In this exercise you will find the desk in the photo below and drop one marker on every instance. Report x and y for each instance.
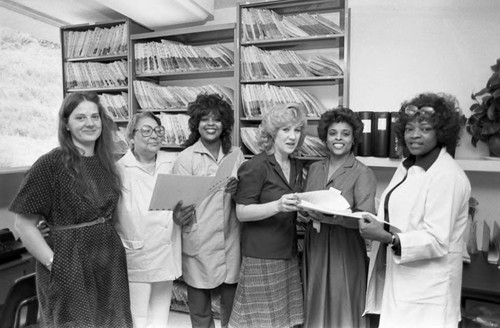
(481, 280)
(12, 270)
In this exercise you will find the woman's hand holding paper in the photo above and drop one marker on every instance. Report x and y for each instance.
(232, 186)
(288, 203)
(184, 215)
(371, 228)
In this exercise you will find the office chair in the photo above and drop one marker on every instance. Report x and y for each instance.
(22, 295)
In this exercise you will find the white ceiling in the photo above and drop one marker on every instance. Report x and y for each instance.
(43, 18)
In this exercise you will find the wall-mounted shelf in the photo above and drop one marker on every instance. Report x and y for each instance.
(474, 165)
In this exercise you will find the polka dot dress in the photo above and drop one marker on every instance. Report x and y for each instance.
(88, 285)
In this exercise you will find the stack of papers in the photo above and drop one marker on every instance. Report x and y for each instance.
(328, 202)
(332, 202)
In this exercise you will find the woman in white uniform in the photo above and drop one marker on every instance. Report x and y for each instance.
(151, 238)
(427, 199)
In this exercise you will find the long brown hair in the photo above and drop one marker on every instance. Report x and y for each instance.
(104, 145)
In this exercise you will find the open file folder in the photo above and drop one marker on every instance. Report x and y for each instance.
(170, 189)
(332, 202)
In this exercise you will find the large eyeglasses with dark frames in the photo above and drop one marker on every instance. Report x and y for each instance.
(424, 111)
(147, 131)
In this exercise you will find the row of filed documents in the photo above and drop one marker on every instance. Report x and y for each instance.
(96, 42)
(170, 56)
(262, 64)
(261, 24)
(115, 105)
(312, 146)
(152, 96)
(96, 75)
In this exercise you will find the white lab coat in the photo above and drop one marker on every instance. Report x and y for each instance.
(422, 286)
(211, 252)
(151, 238)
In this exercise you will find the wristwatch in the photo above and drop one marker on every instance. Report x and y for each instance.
(393, 240)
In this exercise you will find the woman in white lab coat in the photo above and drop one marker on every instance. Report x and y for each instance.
(427, 199)
(151, 238)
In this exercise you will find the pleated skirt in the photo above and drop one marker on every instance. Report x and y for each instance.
(269, 294)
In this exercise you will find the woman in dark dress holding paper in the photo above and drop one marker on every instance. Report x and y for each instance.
(269, 292)
(81, 266)
(335, 259)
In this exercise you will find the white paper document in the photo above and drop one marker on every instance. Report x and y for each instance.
(333, 203)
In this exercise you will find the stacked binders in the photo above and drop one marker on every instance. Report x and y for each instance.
(378, 138)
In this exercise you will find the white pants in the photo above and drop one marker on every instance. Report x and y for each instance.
(150, 303)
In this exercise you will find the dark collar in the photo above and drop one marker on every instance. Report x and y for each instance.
(425, 161)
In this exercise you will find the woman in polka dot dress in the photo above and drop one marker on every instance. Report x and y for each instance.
(81, 268)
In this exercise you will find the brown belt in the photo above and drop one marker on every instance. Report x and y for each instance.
(99, 220)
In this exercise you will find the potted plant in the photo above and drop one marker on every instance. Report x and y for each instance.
(484, 123)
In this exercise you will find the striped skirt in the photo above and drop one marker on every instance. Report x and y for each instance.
(269, 294)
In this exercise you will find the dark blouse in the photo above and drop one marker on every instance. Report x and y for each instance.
(261, 181)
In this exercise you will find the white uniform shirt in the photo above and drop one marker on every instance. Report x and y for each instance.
(422, 286)
(151, 238)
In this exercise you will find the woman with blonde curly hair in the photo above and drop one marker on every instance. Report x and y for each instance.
(269, 292)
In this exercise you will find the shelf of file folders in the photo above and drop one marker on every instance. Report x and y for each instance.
(166, 56)
(115, 105)
(158, 98)
(379, 137)
(312, 148)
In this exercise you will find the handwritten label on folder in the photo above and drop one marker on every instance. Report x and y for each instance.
(170, 189)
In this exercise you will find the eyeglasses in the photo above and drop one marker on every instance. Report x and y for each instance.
(147, 131)
(425, 111)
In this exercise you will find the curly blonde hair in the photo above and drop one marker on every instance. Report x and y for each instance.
(280, 116)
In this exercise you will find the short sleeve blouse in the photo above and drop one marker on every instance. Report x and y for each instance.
(261, 181)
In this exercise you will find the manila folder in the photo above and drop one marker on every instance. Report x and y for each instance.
(170, 188)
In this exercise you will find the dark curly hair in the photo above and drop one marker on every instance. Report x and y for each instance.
(340, 115)
(206, 104)
(447, 119)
